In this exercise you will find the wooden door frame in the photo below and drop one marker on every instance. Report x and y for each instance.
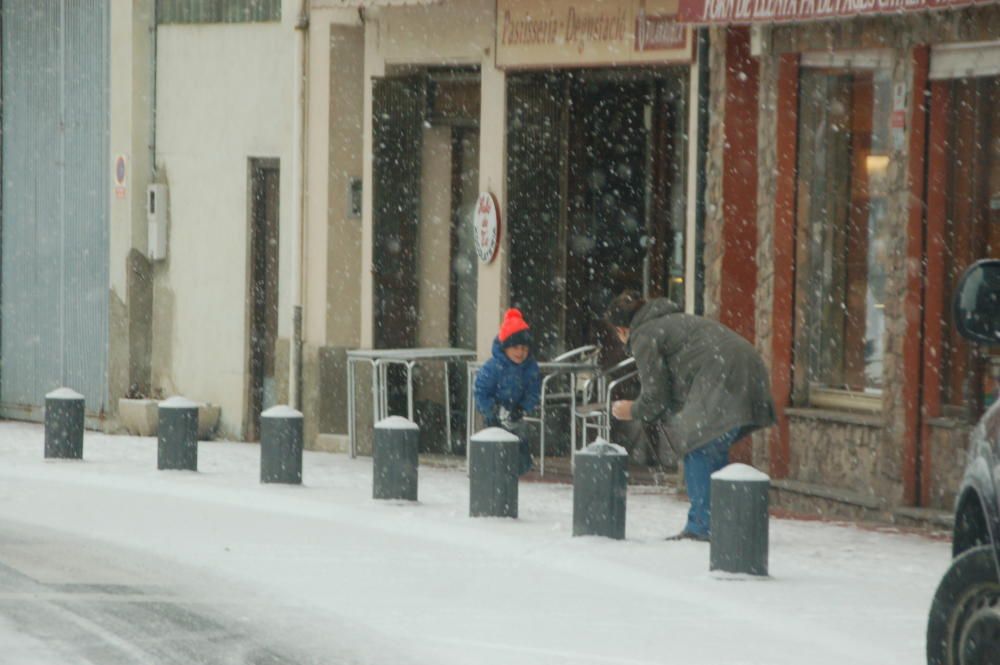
(784, 237)
(915, 457)
(255, 165)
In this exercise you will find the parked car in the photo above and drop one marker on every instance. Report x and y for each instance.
(964, 623)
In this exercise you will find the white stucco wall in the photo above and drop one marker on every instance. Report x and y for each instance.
(223, 94)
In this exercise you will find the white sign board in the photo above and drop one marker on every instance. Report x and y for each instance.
(486, 226)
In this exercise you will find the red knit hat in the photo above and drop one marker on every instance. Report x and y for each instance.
(514, 331)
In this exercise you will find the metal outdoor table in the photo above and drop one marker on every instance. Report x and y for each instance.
(380, 360)
(549, 370)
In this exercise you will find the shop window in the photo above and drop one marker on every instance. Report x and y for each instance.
(596, 195)
(842, 243)
(217, 11)
(966, 150)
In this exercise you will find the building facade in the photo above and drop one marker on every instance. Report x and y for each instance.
(579, 133)
(222, 293)
(77, 119)
(876, 185)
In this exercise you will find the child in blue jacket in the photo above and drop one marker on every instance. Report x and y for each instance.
(509, 384)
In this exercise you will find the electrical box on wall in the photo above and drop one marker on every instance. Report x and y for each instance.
(156, 218)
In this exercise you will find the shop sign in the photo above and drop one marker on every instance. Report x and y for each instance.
(486, 226)
(773, 11)
(590, 32)
(897, 121)
(120, 177)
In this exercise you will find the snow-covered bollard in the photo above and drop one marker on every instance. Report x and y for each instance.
(177, 445)
(739, 520)
(64, 424)
(281, 445)
(600, 484)
(395, 459)
(494, 460)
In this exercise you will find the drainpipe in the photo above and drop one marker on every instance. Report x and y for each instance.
(298, 202)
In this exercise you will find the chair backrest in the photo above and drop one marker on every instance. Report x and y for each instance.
(613, 376)
(573, 354)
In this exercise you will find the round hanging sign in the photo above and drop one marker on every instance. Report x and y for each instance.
(486, 226)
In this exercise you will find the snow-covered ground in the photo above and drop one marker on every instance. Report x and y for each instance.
(424, 583)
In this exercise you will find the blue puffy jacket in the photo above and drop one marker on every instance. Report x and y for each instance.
(502, 383)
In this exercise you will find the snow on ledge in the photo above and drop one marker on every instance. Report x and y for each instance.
(64, 393)
(178, 402)
(741, 473)
(601, 448)
(396, 422)
(281, 411)
(494, 435)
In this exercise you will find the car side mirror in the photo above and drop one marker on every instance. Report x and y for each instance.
(977, 303)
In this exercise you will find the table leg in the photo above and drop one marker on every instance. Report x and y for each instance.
(376, 391)
(469, 406)
(383, 390)
(350, 409)
(409, 391)
(541, 436)
(470, 411)
(447, 406)
(572, 420)
(541, 427)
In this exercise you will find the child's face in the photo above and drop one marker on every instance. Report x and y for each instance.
(517, 354)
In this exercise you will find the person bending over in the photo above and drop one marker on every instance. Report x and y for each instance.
(705, 385)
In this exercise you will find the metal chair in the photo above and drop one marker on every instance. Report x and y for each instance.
(575, 355)
(596, 415)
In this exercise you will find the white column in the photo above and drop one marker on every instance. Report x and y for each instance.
(492, 283)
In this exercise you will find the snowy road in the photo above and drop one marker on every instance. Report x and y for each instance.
(65, 599)
(244, 573)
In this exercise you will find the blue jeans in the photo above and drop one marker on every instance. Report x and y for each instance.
(699, 465)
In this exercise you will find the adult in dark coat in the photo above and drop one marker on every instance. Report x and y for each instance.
(703, 383)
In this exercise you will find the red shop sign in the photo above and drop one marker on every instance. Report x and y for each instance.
(486, 226)
(774, 11)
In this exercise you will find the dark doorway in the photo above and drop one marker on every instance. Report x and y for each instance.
(463, 296)
(597, 197)
(399, 107)
(425, 183)
(262, 292)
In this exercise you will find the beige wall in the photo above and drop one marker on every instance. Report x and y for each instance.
(449, 34)
(492, 286)
(452, 32)
(335, 167)
(129, 135)
(129, 130)
(224, 94)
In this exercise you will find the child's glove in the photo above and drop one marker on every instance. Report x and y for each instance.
(504, 416)
(516, 414)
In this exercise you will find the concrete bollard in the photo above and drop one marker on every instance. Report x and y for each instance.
(600, 484)
(177, 444)
(739, 520)
(64, 424)
(281, 445)
(394, 459)
(494, 460)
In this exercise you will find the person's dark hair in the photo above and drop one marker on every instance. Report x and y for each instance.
(623, 308)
